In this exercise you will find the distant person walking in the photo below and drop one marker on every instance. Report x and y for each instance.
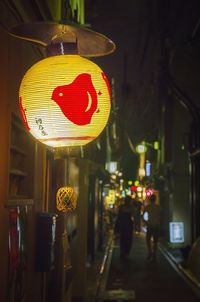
(152, 217)
(137, 205)
(124, 226)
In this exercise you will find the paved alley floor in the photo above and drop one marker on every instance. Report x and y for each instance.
(138, 279)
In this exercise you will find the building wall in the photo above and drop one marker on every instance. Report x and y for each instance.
(45, 175)
(79, 252)
(180, 179)
(4, 131)
(16, 57)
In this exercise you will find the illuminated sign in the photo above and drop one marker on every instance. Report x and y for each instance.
(111, 166)
(111, 196)
(65, 100)
(146, 216)
(141, 148)
(176, 232)
(141, 172)
(148, 168)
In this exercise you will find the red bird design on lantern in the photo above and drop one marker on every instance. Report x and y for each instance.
(77, 100)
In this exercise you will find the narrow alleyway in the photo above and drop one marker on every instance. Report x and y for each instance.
(137, 279)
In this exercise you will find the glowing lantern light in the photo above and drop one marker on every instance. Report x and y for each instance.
(139, 189)
(133, 188)
(156, 145)
(141, 148)
(65, 100)
(148, 193)
(66, 199)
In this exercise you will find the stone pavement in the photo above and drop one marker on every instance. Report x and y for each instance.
(137, 279)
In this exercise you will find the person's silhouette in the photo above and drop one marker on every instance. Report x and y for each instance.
(152, 217)
(125, 226)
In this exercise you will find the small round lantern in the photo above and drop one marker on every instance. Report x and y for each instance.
(66, 199)
(65, 100)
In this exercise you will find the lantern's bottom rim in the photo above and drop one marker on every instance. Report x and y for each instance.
(60, 142)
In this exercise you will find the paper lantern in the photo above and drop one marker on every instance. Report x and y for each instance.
(65, 100)
(66, 199)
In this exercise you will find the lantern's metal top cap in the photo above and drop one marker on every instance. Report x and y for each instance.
(89, 43)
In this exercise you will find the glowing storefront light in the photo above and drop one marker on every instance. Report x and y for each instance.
(111, 197)
(141, 172)
(149, 192)
(146, 216)
(123, 194)
(133, 188)
(139, 189)
(156, 145)
(65, 100)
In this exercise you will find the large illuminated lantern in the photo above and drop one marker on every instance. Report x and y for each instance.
(65, 98)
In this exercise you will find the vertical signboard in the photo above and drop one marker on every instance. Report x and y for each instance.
(176, 230)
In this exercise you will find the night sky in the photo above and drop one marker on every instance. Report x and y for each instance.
(145, 33)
